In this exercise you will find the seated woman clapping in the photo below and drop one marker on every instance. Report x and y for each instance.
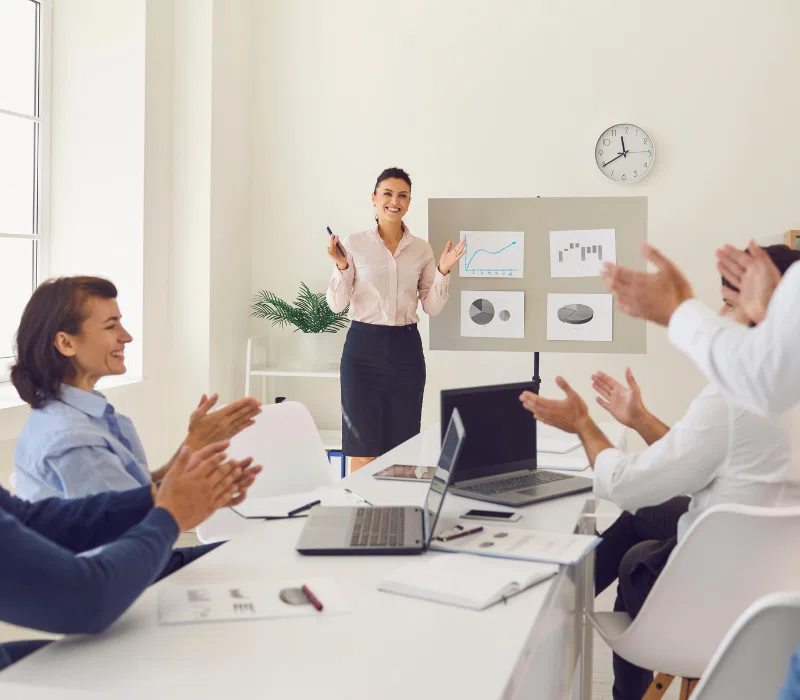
(74, 443)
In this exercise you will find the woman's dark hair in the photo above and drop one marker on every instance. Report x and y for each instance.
(389, 173)
(783, 257)
(57, 305)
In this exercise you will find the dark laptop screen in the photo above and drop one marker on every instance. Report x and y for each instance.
(500, 434)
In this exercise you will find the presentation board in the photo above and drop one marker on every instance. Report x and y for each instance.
(530, 278)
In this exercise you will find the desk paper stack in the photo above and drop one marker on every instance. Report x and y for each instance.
(526, 545)
(251, 600)
(465, 581)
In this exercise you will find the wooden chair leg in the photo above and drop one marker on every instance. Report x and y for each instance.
(687, 687)
(658, 687)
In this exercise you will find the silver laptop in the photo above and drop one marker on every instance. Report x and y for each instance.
(384, 530)
(499, 460)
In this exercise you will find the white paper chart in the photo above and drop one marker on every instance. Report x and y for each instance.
(487, 314)
(493, 254)
(581, 253)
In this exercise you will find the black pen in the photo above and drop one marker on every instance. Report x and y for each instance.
(463, 534)
(302, 508)
(338, 247)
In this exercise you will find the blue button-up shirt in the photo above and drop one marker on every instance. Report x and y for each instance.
(78, 446)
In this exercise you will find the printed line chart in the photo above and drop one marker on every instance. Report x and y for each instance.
(493, 254)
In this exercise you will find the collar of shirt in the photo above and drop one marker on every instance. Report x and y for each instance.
(404, 241)
(92, 403)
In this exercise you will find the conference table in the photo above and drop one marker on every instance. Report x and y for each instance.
(536, 646)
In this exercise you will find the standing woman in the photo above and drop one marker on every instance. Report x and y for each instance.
(384, 273)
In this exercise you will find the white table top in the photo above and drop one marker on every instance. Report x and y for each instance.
(389, 646)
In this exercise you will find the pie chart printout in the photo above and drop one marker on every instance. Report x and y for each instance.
(481, 311)
(575, 314)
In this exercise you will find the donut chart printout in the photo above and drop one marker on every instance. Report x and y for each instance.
(488, 314)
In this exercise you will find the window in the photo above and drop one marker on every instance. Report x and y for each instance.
(24, 153)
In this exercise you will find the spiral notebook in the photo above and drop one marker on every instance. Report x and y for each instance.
(465, 580)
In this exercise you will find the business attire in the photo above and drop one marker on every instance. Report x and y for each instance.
(717, 453)
(383, 366)
(77, 446)
(74, 566)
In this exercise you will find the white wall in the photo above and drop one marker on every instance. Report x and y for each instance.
(507, 99)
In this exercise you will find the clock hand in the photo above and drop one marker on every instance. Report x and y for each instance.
(649, 153)
(613, 159)
(624, 152)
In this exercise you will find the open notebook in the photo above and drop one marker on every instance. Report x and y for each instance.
(465, 580)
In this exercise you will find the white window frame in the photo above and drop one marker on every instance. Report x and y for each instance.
(42, 236)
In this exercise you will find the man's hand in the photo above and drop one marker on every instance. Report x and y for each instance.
(198, 484)
(623, 402)
(652, 296)
(754, 273)
(206, 428)
(245, 481)
(568, 414)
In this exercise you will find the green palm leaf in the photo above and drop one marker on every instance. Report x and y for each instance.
(309, 314)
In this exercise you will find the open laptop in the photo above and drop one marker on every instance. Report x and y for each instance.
(385, 530)
(498, 464)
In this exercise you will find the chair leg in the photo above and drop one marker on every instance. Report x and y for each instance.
(687, 687)
(658, 687)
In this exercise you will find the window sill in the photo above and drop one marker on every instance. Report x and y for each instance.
(9, 398)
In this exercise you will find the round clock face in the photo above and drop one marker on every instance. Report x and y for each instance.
(625, 153)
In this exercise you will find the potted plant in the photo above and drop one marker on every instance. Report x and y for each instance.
(310, 314)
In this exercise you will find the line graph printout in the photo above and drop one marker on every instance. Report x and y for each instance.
(493, 254)
(581, 253)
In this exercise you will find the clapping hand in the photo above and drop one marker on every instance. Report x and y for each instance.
(622, 402)
(567, 414)
(754, 274)
(450, 256)
(206, 428)
(652, 296)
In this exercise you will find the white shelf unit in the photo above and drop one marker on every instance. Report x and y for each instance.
(331, 439)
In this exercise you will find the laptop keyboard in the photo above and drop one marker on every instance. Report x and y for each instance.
(379, 527)
(514, 483)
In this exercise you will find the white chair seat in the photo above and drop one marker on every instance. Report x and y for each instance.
(730, 557)
(284, 439)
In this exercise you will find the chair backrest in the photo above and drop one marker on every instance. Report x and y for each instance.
(753, 659)
(730, 557)
(285, 440)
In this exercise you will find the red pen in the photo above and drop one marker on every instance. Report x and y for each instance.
(311, 597)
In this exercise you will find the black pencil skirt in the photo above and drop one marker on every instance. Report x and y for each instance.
(383, 380)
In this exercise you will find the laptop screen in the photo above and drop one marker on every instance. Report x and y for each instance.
(451, 447)
(501, 435)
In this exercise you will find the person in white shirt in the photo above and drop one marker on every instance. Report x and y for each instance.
(384, 273)
(718, 453)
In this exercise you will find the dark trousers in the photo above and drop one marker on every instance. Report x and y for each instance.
(11, 652)
(635, 550)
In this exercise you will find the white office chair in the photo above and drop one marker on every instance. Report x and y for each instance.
(753, 659)
(731, 556)
(285, 440)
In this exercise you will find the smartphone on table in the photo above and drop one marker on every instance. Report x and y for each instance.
(501, 516)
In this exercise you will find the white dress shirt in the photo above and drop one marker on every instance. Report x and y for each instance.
(756, 367)
(386, 289)
(717, 453)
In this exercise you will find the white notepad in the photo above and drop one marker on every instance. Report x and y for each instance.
(465, 580)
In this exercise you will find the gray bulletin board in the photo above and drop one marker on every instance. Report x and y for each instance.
(536, 217)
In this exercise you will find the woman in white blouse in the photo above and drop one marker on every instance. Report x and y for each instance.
(383, 273)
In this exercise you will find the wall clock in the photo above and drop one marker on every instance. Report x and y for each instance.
(625, 153)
